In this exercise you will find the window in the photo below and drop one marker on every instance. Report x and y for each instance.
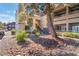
(63, 28)
(75, 28)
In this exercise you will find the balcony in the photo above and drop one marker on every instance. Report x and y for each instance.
(63, 17)
(59, 18)
(74, 15)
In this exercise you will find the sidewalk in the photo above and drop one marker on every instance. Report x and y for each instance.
(7, 42)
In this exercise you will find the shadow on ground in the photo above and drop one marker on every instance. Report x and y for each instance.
(23, 44)
(71, 42)
(44, 42)
(50, 42)
(1, 36)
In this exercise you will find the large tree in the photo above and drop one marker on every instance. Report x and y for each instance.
(21, 16)
(47, 9)
(50, 15)
(30, 14)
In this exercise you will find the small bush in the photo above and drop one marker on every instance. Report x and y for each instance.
(37, 34)
(27, 34)
(13, 31)
(34, 31)
(68, 34)
(59, 33)
(21, 35)
(76, 35)
(71, 34)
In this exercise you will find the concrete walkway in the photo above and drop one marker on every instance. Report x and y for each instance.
(7, 42)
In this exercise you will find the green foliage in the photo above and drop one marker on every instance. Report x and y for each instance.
(76, 35)
(59, 33)
(34, 31)
(71, 34)
(1, 25)
(68, 34)
(13, 31)
(21, 35)
(37, 34)
(27, 34)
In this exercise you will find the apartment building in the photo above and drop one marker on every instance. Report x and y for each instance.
(67, 18)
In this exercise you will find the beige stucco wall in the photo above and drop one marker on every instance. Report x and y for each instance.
(44, 22)
(21, 26)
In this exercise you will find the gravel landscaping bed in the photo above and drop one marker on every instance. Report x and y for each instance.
(37, 47)
(40, 51)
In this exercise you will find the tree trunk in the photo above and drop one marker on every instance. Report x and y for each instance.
(50, 22)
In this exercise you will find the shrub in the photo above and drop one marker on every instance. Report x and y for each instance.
(13, 31)
(21, 35)
(76, 35)
(37, 34)
(34, 31)
(27, 34)
(67, 34)
(71, 34)
(59, 33)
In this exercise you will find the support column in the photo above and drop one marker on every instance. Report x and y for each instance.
(67, 27)
(67, 13)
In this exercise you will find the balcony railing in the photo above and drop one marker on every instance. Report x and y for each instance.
(63, 17)
(58, 18)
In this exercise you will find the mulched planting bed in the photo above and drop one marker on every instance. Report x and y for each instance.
(32, 49)
(36, 49)
(41, 47)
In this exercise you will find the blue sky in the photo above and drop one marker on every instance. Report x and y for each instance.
(8, 12)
